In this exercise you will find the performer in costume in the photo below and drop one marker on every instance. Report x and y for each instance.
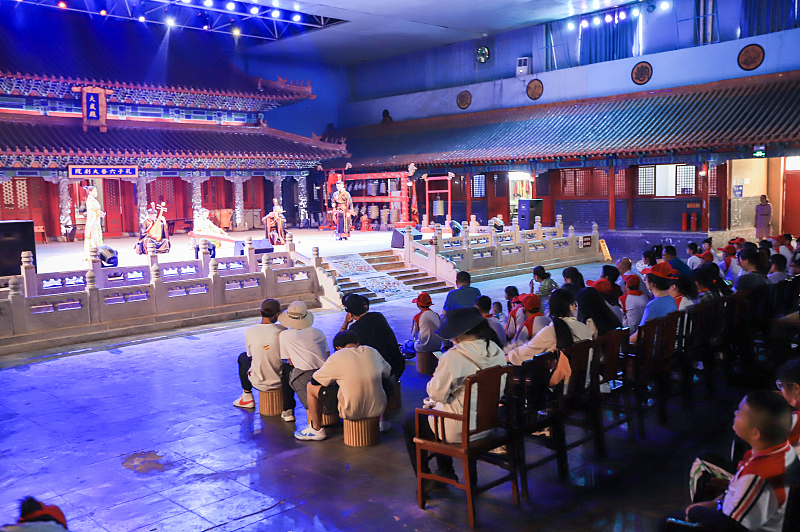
(275, 224)
(93, 232)
(154, 229)
(204, 226)
(342, 205)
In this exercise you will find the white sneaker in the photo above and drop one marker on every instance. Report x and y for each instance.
(309, 433)
(385, 425)
(245, 401)
(288, 415)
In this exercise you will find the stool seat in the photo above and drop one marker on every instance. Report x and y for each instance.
(362, 432)
(329, 418)
(270, 402)
(396, 401)
(426, 363)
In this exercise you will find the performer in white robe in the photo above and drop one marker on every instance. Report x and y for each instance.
(93, 231)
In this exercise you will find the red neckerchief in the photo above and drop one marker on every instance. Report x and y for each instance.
(416, 318)
(624, 298)
(529, 323)
(727, 260)
(678, 300)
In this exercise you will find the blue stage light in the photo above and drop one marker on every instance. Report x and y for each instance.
(230, 6)
(584, 23)
(170, 22)
(609, 18)
(141, 18)
(622, 15)
(664, 6)
(635, 12)
(254, 10)
(570, 26)
(297, 17)
(596, 21)
(275, 13)
(208, 3)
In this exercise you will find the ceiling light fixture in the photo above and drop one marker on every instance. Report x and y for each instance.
(208, 3)
(584, 23)
(230, 6)
(635, 12)
(62, 4)
(297, 17)
(622, 15)
(170, 22)
(254, 10)
(664, 6)
(236, 31)
(609, 18)
(596, 21)
(570, 26)
(651, 7)
(275, 13)
(141, 18)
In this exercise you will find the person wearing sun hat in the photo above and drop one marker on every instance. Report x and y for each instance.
(705, 257)
(658, 279)
(729, 266)
(424, 325)
(473, 350)
(303, 346)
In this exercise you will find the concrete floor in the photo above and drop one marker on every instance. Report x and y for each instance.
(140, 434)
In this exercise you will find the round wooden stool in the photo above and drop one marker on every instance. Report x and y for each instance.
(362, 432)
(270, 403)
(329, 418)
(395, 402)
(426, 363)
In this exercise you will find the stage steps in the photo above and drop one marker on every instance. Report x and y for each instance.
(551, 265)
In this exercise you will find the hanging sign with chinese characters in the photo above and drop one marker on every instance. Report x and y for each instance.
(93, 100)
(88, 171)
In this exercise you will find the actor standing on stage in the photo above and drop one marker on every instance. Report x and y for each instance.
(342, 204)
(93, 231)
(154, 229)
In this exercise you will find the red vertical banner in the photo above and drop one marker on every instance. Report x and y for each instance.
(612, 196)
(706, 218)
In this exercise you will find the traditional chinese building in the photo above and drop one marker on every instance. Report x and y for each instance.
(169, 119)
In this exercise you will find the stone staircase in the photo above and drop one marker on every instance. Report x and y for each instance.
(550, 265)
(389, 263)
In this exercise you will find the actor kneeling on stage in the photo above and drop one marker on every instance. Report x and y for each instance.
(275, 224)
(154, 229)
(205, 228)
(342, 205)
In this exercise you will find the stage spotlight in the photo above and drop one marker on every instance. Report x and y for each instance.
(205, 26)
(570, 26)
(584, 23)
(62, 4)
(254, 10)
(208, 3)
(170, 22)
(651, 7)
(230, 6)
(596, 21)
(186, 1)
(635, 12)
(609, 18)
(103, 12)
(236, 31)
(297, 17)
(141, 18)
(275, 13)
(664, 6)
(622, 15)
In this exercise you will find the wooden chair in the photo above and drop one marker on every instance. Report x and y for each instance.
(697, 352)
(581, 395)
(642, 366)
(488, 384)
(40, 229)
(613, 347)
(532, 413)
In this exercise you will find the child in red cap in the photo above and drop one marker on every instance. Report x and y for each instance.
(633, 303)
(658, 279)
(534, 322)
(729, 267)
(424, 325)
(36, 516)
(516, 317)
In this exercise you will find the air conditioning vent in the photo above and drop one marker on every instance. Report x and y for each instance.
(523, 66)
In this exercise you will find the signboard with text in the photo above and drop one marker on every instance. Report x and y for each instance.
(87, 171)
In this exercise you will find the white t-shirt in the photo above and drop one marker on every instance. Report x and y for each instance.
(426, 338)
(307, 349)
(358, 372)
(263, 347)
(732, 273)
(694, 262)
(634, 310)
(777, 277)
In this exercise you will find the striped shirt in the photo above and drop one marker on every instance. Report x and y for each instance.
(757, 493)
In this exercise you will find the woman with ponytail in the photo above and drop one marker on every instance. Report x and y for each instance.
(564, 331)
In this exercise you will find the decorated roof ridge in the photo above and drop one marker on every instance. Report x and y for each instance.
(501, 115)
(296, 89)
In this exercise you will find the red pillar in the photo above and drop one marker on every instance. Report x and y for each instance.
(706, 198)
(612, 196)
(468, 184)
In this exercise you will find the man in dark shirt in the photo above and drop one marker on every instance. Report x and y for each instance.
(671, 255)
(750, 278)
(373, 330)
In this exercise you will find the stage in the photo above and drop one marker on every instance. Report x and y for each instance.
(66, 256)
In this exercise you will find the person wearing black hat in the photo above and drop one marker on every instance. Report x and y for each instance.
(373, 330)
(473, 350)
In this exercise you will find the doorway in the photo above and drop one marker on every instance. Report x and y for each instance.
(289, 200)
(791, 196)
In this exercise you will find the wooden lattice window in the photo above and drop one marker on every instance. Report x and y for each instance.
(620, 183)
(685, 182)
(479, 186)
(112, 192)
(647, 180)
(712, 181)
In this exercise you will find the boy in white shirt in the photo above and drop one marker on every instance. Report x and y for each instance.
(303, 346)
(729, 266)
(424, 325)
(777, 269)
(633, 303)
(350, 381)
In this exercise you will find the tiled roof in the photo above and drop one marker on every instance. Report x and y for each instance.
(743, 112)
(35, 136)
(56, 44)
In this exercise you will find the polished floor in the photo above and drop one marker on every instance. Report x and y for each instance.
(141, 435)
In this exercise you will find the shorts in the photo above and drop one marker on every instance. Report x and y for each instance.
(329, 397)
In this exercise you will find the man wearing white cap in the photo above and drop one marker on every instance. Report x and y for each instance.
(303, 346)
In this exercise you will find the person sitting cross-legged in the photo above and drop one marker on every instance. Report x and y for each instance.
(760, 486)
(350, 382)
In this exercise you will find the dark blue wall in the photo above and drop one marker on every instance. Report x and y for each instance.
(648, 213)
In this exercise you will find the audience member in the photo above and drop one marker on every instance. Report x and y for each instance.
(683, 291)
(424, 325)
(693, 251)
(671, 256)
(36, 516)
(546, 284)
(534, 321)
(759, 487)
(633, 302)
(612, 275)
(604, 288)
(787, 249)
(564, 331)
(752, 278)
(708, 245)
(484, 305)
(766, 245)
(596, 313)
(794, 267)
(373, 330)
(729, 267)
(472, 351)
(789, 385)
(709, 283)
(738, 243)
(625, 267)
(350, 382)
(573, 280)
(261, 365)
(464, 295)
(497, 312)
(658, 279)
(777, 269)
(515, 318)
(706, 257)
(649, 259)
(511, 292)
(303, 346)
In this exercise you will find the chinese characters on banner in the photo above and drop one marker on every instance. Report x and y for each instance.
(94, 106)
(128, 172)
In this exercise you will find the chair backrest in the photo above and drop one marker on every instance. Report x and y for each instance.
(532, 382)
(792, 515)
(489, 386)
(669, 332)
(613, 345)
(698, 318)
(648, 346)
(584, 369)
